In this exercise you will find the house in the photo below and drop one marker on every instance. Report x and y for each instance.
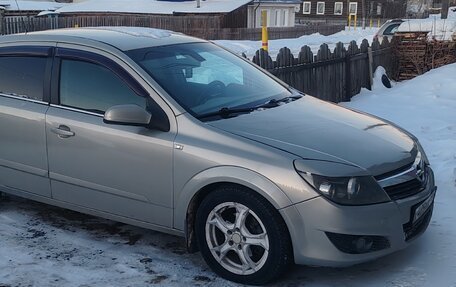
(280, 13)
(223, 13)
(339, 10)
(232, 13)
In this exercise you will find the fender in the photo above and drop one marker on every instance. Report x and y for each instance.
(228, 174)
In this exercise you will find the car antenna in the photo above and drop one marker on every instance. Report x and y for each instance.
(22, 18)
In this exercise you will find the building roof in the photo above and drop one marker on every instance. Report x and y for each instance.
(122, 38)
(11, 5)
(153, 6)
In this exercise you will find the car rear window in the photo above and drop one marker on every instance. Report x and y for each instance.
(22, 76)
(391, 29)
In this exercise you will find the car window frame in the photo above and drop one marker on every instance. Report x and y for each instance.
(92, 58)
(42, 51)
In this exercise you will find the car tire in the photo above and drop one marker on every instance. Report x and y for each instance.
(242, 237)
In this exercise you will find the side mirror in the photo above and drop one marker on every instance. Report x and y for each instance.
(132, 115)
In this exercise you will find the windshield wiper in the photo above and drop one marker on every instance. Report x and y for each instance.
(274, 102)
(226, 112)
(229, 112)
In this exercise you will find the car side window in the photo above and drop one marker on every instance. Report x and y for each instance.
(22, 76)
(94, 88)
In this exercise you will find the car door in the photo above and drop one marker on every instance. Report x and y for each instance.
(119, 169)
(24, 94)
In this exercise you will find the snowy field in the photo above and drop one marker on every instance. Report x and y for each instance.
(314, 41)
(46, 246)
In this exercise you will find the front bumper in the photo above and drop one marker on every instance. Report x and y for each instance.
(310, 221)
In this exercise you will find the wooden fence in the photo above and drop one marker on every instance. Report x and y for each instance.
(330, 75)
(194, 25)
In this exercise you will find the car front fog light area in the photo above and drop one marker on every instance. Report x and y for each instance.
(358, 244)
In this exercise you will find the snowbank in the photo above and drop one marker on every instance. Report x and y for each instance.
(452, 12)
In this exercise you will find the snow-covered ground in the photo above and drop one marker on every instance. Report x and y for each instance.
(314, 41)
(46, 246)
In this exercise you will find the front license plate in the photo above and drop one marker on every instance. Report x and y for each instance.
(421, 209)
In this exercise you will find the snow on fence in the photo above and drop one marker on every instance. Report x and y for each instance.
(331, 75)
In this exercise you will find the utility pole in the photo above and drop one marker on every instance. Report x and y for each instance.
(445, 6)
(364, 13)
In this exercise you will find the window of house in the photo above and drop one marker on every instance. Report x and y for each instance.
(306, 7)
(284, 17)
(353, 8)
(277, 18)
(93, 87)
(379, 9)
(371, 8)
(338, 8)
(23, 77)
(320, 8)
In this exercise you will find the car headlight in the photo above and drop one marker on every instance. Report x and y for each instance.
(360, 190)
(423, 154)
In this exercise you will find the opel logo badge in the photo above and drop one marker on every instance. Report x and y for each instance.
(420, 171)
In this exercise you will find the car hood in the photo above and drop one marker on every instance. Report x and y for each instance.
(317, 130)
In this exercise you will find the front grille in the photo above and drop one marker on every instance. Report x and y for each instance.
(393, 172)
(404, 189)
(413, 230)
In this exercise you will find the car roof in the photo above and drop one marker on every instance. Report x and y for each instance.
(123, 38)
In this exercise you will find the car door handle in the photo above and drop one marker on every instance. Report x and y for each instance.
(63, 131)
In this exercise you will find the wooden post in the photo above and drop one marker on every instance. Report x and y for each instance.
(348, 94)
(364, 14)
(371, 72)
(2, 23)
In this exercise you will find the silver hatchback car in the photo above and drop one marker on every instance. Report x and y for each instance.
(172, 133)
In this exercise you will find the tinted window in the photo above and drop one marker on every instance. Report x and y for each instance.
(390, 30)
(22, 76)
(93, 88)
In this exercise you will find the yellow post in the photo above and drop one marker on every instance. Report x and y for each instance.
(378, 22)
(353, 17)
(264, 30)
(371, 23)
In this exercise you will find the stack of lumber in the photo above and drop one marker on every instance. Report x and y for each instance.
(411, 49)
(441, 53)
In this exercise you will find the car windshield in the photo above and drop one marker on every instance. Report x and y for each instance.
(204, 78)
